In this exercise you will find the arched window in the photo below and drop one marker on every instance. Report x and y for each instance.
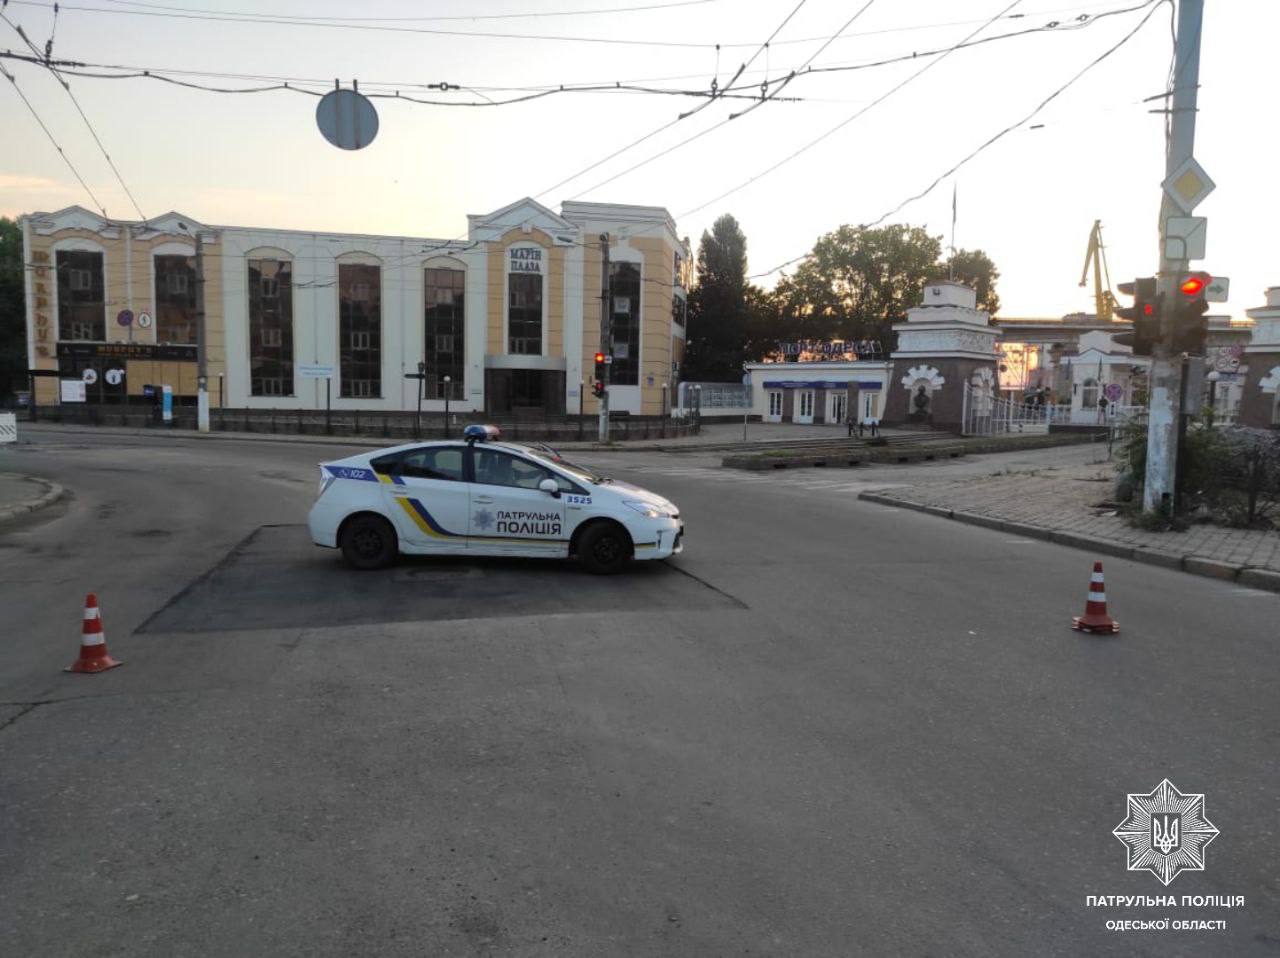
(1089, 395)
(445, 328)
(270, 283)
(360, 326)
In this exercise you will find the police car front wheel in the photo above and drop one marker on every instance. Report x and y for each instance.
(604, 548)
(368, 542)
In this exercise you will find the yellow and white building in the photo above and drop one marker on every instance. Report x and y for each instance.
(511, 314)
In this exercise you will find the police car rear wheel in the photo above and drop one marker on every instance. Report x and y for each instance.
(604, 549)
(369, 542)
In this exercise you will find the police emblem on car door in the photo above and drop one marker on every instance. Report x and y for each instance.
(510, 514)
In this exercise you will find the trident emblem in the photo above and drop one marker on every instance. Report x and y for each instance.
(1165, 831)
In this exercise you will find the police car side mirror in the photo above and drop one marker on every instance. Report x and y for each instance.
(551, 487)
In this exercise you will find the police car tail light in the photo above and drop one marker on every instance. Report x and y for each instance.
(644, 508)
(326, 481)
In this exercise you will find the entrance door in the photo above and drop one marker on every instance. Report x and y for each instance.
(510, 515)
(804, 413)
(775, 406)
(838, 405)
(426, 493)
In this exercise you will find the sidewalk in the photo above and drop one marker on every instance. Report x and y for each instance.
(1063, 504)
(23, 494)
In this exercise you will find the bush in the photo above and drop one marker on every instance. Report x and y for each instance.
(1232, 475)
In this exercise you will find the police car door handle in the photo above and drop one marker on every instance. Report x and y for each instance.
(483, 500)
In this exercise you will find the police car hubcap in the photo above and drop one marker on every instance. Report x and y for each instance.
(606, 550)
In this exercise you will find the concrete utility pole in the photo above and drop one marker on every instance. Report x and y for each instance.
(202, 351)
(1167, 384)
(606, 334)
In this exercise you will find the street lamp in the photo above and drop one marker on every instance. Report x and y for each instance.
(447, 380)
(1213, 377)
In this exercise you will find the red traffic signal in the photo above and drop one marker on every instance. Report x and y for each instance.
(1193, 284)
(599, 358)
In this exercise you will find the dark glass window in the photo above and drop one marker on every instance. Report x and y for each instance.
(445, 330)
(360, 329)
(526, 388)
(175, 299)
(386, 464)
(82, 305)
(624, 284)
(442, 462)
(270, 327)
(495, 468)
(524, 314)
(679, 309)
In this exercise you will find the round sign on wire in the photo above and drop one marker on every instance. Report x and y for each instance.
(90, 376)
(1113, 391)
(347, 119)
(124, 317)
(144, 320)
(114, 377)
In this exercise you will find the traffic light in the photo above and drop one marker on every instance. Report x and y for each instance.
(1144, 314)
(597, 389)
(600, 367)
(1188, 325)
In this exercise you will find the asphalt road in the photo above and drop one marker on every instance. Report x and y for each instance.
(828, 728)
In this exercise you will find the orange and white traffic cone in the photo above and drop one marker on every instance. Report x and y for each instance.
(93, 642)
(1095, 618)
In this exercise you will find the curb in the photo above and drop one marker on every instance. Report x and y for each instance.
(53, 492)
(1250, 576)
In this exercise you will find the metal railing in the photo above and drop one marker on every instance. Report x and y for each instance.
(398, 425)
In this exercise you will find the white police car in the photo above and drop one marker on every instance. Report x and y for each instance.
(482, 497)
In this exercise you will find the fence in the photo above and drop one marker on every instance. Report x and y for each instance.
(399, 426)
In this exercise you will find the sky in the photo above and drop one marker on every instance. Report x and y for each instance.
(1029, 200)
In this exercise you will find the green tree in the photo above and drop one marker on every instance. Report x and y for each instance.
(974, 268)
(718, 306)
(858, 282)
(13, 339)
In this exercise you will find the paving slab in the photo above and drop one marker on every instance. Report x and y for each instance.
(1069, 503)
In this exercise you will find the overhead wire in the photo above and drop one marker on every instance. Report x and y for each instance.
(733, 116)
(56, 145)
(849, 119)
(364, 23)
(265, 20)
(79, 109)
(992, 140)
(536, 14)
(73, 68)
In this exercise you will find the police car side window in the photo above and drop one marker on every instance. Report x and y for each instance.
(501, 469)
(386, 465)
(443, 463)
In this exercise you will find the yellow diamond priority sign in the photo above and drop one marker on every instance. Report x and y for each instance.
(1188, 185)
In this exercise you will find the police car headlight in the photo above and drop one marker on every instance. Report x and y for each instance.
(326, 481)
(646, 509)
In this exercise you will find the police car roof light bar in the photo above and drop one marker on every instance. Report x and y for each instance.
(478, 433)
